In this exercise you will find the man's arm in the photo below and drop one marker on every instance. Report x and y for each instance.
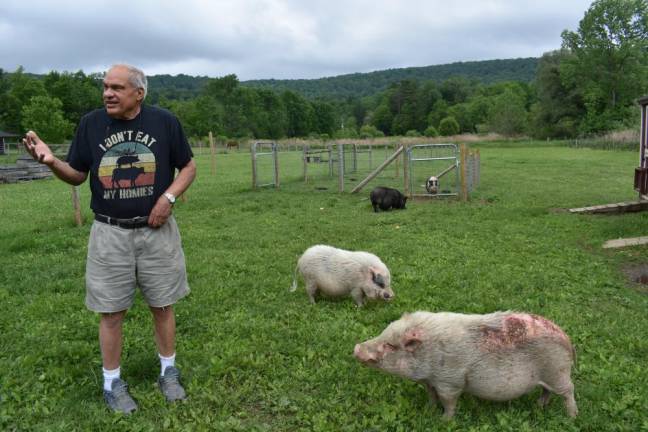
(42, 153)
(162, 209)
(183, 180)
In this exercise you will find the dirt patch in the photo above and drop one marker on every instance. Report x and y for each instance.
(637, 274)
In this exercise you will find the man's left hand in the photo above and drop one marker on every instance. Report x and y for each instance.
(160, 213)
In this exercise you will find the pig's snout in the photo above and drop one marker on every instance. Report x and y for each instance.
(363, 355)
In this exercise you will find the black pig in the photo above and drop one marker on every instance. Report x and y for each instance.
(386, 198)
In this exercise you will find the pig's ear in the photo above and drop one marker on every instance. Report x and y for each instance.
(412, 339)
(376, 277)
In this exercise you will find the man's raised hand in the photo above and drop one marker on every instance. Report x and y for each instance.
(38, 149)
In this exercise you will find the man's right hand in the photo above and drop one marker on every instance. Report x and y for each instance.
(38, 149)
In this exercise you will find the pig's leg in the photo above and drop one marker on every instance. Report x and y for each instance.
(432, 393)
(543, 401)
(311, 290)
(570, 402)
(358, 296)
(565, 388)
(448, 398)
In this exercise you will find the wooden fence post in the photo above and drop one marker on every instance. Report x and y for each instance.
(305, 161)
(275, 157)
(396, 165)
(254, 166)
(213, 153)
(464, 160)
(406, 171)
(340, 167)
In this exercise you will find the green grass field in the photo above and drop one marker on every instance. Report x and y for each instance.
(255, 356)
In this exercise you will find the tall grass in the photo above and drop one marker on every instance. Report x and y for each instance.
(616, 140)
(255, 356)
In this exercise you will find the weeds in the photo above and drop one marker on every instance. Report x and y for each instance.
(256, 357)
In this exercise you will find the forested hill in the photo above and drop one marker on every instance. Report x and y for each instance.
(357, 84)
(366, 84)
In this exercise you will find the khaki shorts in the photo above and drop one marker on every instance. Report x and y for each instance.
(120, 259)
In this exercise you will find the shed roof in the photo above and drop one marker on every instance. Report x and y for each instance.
(4, 134)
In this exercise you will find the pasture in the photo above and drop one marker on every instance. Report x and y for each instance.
(256, 357)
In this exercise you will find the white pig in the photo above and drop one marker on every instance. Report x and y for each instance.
(498, 356)
(338, 272)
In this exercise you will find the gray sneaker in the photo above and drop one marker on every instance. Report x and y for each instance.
(170, 385)
(118, 399)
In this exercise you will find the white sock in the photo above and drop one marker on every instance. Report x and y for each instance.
(166, 362)
(109, 376)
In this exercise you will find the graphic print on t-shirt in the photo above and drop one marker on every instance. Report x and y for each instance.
(127, 170)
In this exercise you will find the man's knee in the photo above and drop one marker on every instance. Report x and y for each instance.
(113, 319)
(162, 312)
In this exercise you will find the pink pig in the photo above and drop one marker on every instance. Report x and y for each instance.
(498, 356)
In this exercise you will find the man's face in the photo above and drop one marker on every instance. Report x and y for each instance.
(121, 99)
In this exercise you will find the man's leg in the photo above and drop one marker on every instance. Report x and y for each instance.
(164, 320)
(165, 328)
(110, 338)
(110, 341)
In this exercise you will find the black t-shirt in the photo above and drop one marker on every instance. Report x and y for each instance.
(131, 162)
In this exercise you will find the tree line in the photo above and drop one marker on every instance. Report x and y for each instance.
(587, 86)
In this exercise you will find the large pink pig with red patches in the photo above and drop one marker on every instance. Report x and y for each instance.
(498, 356)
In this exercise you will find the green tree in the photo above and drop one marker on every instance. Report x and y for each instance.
(508, 113)
(461, 113)
(430, 95)
(405, 107)
(610, 61)
(413, 133)
(448, 126)
(439, 112)
(300, 114)
(457, 89)
(431, 132)
(273, 119)
(382, 118)
(44, 115)
(368, 131)
(22, 89)
(78, 93)
(358, 110)
(200, 116)
(324, 116)
(479, 109)
(223, 95)
(559, 108)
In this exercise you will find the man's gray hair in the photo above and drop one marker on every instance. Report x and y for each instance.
(135, 76)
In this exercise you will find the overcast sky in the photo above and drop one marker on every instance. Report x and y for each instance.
(282, 39)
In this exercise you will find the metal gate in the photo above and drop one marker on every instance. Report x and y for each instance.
(262, 153)
(439, 160)
(641, 173)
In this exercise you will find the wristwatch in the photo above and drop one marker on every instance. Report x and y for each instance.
(170, 197)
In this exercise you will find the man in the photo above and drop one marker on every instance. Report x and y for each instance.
(130, 151)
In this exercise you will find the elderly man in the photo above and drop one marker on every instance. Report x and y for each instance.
(130, 152)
